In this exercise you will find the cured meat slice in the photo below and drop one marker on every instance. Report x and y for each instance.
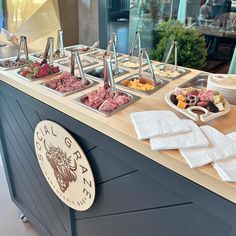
(65, 83)
(122, 99)
(108, 105)
(206, 96)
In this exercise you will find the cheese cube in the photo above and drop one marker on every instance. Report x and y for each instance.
(180, 98)
(220, 106)
(216, 99)
(181, 104)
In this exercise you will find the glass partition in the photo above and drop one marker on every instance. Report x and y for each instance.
(206, 37)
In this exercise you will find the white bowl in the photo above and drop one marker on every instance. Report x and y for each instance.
(225, 84)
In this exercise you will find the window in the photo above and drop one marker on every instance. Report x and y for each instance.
(214, 20)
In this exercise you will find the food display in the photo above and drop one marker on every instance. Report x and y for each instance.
(129, 64)
(85, 63)
(142, 84)
(98, 72)
(36, 70)
(57, 55)
(81, 49)
(100, 55)
(67, 83)
(13, 63)
(132, 63)
(84, 50)
(103, 100)
(168, 73)
(211, 100)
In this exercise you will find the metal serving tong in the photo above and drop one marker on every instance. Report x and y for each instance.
(75, 57)
(113, 40)
(141, 56)
(173, 46)
(23, 48)
(136, 37)
(112, 45)
(48, 50)
(94, 46)
(109, 81)
(60, 45)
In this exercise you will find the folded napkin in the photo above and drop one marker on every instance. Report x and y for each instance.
(221, 147)
(149, 124)
(227, 168)
(193, 139)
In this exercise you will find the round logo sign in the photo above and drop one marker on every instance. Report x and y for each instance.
(64, 165)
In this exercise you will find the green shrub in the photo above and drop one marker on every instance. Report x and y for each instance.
(192, 50)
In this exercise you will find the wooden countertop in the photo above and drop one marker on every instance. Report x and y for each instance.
(120, 128)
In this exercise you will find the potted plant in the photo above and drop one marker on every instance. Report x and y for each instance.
(192, 50)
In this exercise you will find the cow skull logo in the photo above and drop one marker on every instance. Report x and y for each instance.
(64, 165)
(64, 170)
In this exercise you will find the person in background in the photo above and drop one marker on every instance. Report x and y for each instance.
(205, 11)
(218, 7)
(9, 35)
(227, 7)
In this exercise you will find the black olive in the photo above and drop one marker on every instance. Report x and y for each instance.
(174, 99)
(212, 107)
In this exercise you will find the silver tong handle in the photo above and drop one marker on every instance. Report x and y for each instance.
(114, 54)
(109, 46)
(48, 50)
(136, 37)
(94, 46)
(173, 46)
(60, 43)
(113, 40)
(76, 57)
(51, 49)
(23, 47)
(105, 72)
(109, 81)
(112, 45)
(72, 63)
(112, 80)
(141, 56)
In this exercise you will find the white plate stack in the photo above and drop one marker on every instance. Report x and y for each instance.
(224, 84)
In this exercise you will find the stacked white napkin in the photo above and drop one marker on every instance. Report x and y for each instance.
(221, 147)
(227, 168)
(149, 124)
(199, 146)
(193, 139)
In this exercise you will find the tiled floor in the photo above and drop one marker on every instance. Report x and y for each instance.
(10, 223)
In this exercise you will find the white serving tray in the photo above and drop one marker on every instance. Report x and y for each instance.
(189, 112)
